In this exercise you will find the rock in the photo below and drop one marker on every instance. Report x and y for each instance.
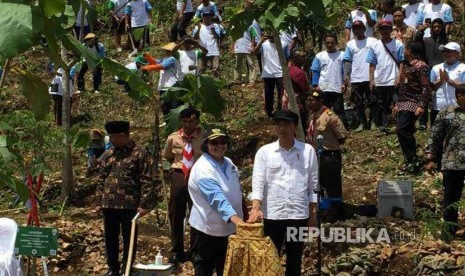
(358, 271)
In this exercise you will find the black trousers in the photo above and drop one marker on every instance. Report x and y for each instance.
(276, 230)
(269, 85)
(179, 26)
(58, 108)
(453, 186)
(208, 253)
(97, 76)
(116, 221)
(330, 173)
(179, 202)
(361, 98)
(335, 101)
(384, 97)
(405, 133)
(432, 116)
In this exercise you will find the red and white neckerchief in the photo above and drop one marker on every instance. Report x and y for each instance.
(187, 152)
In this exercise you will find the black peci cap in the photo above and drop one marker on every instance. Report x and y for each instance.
(117, 127)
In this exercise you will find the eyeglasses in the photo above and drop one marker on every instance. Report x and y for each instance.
(218, 142)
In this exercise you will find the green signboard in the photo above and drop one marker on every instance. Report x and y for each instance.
(36, 241)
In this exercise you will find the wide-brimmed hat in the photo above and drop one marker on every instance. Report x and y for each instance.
(90, 36)
(169, 46)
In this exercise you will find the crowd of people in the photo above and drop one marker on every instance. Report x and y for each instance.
(397, 67)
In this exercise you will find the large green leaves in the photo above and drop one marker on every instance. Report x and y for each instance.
(19, 25)
(92, 58)
(52, 7)
(139, 89)
(36, 93)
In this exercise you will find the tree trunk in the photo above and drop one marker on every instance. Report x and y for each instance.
(67, 186)
(288, 84)
(83, 15)
(5, 71)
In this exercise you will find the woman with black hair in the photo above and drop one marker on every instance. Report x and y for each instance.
(414, 96)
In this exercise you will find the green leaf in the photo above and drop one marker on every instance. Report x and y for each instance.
(19, 26)
(212, 102)
(172, 119)
(81, 140)
(52, 7)
(21, 189)
(5, 126)
(293, 11)
(3, 141)
(240, 23)
(6, 155)
(36, 93)
(71, 43)
(139, 88)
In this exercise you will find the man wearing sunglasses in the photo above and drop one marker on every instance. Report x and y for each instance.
(285, 175)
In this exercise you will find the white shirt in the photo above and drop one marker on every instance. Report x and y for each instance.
(244, 44)
(78, 17)
(412, 12)
(356, 52)
(331, 73)
(187, 62)
(168, 77)
(440, 10)
(271, 67)
(207, 39)
(445, 95)
(118, 7)
(189, 7)
(58, 83)
(386, 68)
(139, 14)
(203, 217)
(285, 180)
(360, 15)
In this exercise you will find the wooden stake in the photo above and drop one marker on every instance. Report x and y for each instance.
(5, 71)
(131, 243)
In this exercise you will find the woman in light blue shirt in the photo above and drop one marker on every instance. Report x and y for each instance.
(216, 195)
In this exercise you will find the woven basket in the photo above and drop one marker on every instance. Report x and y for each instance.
(250, 253)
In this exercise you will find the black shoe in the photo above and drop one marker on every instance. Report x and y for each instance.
(112, 273)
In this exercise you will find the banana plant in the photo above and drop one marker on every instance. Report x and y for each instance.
(46, 24)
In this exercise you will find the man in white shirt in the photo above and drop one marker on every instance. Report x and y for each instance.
(412, 10)
(208, 34)
(445, 77)
(435, 9)
(284, 179)
(272, 72)
(189, 56)
(386, 58)
(242, 50)
(182, 18)
(327, 76)
(138, 17)
(356, 70)
(367, 16)
(116, 11)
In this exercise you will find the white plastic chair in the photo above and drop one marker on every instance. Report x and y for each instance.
(9, 264)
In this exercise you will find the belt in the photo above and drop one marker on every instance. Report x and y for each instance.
(331, 152)
(177, 170)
